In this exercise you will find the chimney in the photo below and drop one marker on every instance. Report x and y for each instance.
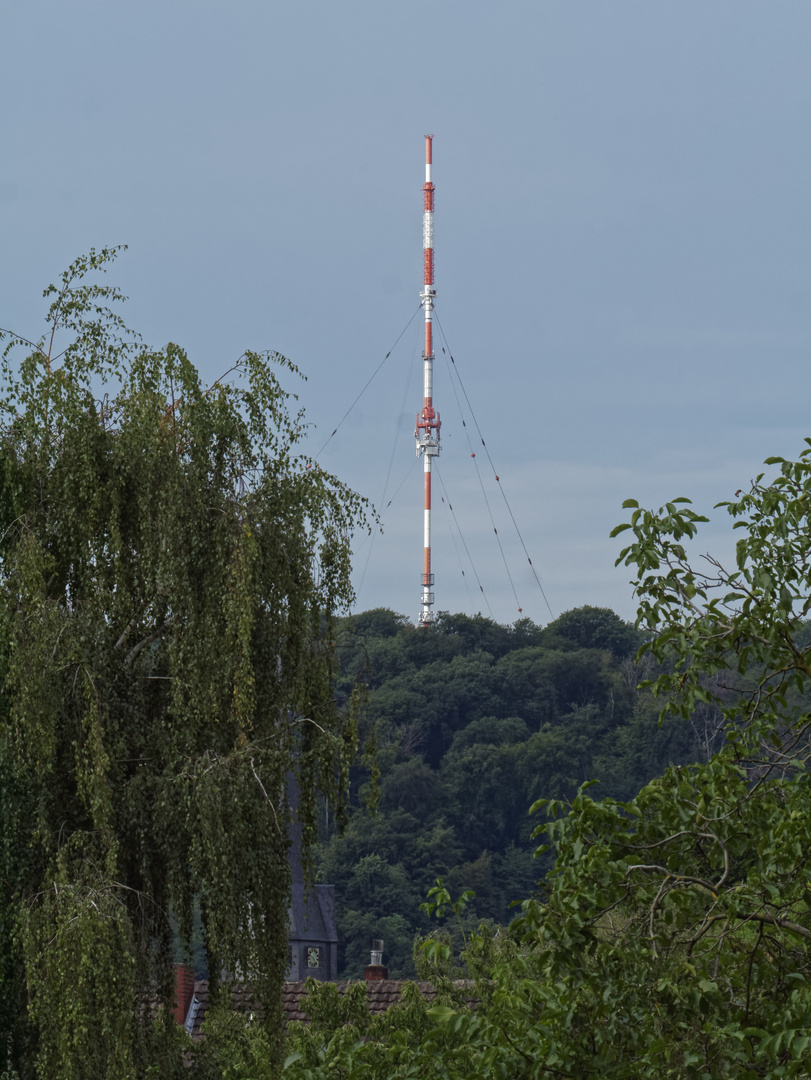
(376, 970)
(184, 992)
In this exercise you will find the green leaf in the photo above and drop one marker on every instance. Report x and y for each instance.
(618, 529)
(441, 1012)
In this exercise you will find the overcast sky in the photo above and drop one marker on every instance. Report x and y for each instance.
(622, 244)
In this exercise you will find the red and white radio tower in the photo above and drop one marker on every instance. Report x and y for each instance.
(428, 423)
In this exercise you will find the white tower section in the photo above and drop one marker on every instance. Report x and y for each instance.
(428, 423)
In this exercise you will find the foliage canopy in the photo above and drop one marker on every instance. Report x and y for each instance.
(169, 572)
(474, 722)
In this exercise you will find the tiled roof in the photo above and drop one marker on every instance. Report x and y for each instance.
(382, 994)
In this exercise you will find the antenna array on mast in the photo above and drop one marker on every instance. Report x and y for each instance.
(428, 422)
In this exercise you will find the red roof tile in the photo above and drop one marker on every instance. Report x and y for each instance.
(382, 994)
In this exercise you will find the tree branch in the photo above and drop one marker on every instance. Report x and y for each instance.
(132, 654)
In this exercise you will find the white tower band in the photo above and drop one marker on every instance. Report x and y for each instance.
(428, 423)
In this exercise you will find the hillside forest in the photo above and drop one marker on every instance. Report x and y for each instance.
(472, 722)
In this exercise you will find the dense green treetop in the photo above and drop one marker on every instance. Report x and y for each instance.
(595, 628)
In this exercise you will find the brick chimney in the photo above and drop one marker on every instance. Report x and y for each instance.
(184, 992)
(376, 970)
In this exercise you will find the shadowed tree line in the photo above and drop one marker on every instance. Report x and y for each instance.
(474, 722)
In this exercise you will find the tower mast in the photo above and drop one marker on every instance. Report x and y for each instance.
(428, 423)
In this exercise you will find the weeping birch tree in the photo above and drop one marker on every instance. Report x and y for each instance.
(169, 571)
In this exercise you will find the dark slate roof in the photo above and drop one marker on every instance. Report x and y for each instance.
(382, 995)
(312, 913)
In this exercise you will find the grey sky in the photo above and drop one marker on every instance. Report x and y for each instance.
(622, 224)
